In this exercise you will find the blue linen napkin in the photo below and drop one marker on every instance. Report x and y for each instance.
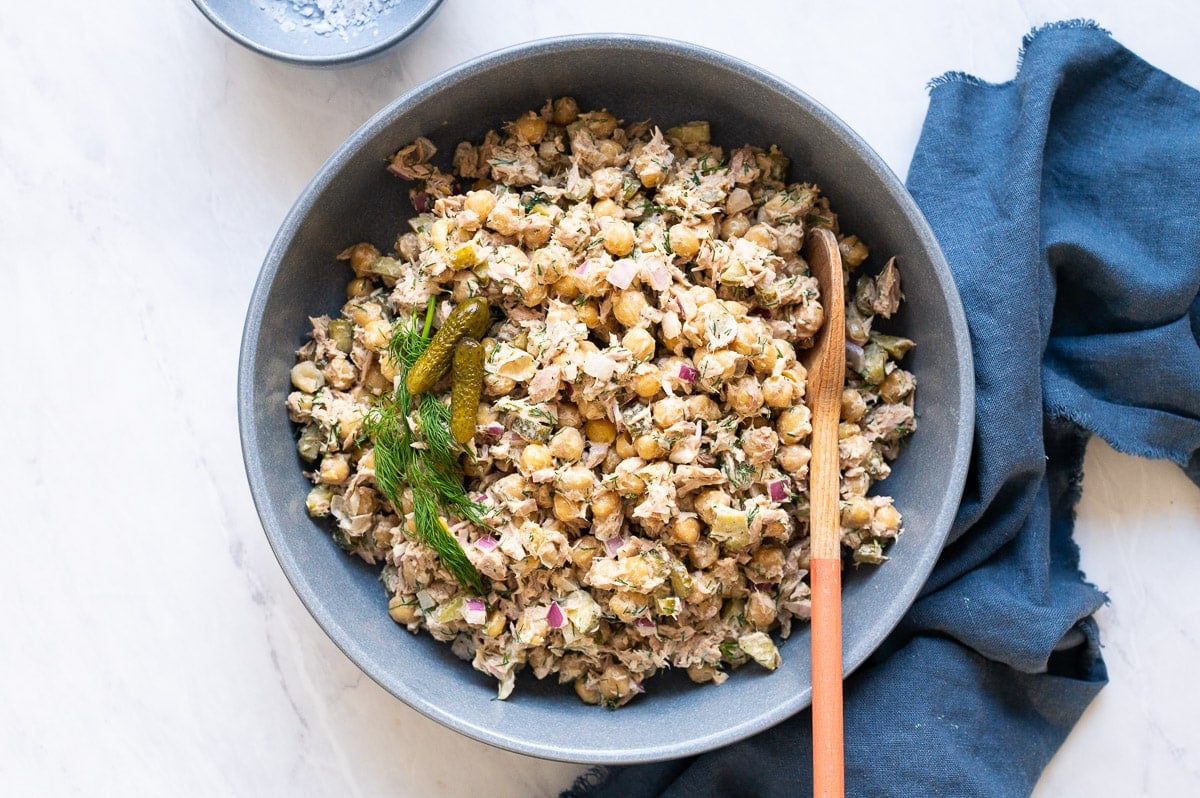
(1067, 202)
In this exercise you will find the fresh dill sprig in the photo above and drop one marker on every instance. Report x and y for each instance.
(430, 472)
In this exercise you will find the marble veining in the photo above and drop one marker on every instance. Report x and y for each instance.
(152, 645)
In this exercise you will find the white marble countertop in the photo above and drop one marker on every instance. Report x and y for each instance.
(152, 645)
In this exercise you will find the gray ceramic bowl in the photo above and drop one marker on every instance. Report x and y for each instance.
(353, 198)
(277, 29)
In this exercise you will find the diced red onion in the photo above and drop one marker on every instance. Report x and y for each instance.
(555, 616)
(764, 587)
(659, 276)
(854, 356)
(613, 545)
(679, 305)
(474, 611)
(622, 273)
(687, 373)
(761, 312)
(583, 267)
(643, 623)
(420, 201)
(777, 490)
(637, 687)
(494, 429)
(486, 543)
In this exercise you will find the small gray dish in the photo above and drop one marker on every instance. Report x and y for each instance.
(353, 198)
(296, 31)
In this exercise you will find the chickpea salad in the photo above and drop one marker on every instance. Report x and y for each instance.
(613, 481)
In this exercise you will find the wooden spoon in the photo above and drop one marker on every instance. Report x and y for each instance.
(826, 364)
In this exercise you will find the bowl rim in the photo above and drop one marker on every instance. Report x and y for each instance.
(375, 47)
(918, 571)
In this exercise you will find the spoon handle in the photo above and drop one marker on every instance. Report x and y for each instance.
(826, 376)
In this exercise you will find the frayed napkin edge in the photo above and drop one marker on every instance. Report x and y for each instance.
(955, 76)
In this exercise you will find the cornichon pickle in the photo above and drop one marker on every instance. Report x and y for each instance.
(466, 389)
(470, 318)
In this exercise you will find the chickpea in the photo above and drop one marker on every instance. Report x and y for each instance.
(759, 444)
(640, 343)
(793, 458)
(568, 287)
(606, 208)
(896, 386)
(387, 366)
(591, 410)
(530, 128)
(685, 529)
(702, 295)
(847, 430)
(760, 609)
(497, 385)
(587, 693)
(480, 202)
(376, 382)
(704, 553)
(534, 295)
(888, 517)
(362, 257)
(762, 235)
(402, 610)
(854, 407)
(767, 564)
(777, 392)
(856, 485)
(703, 407)
(307, 377)
(628, 307)
(340, 373)
(623, 446)
(601, 123)
(794, 424)
(376, 334)
(647, 381)
(565, 111)
(566, 510)
(702, 673)
(627, 605)
(584, 551)
(600, 430)
(548, 265)
(359, 287)
(535, 457)
(576, 482)
(630, 484)
(618, 239)
(335, 469)
(745, 396)
(567, 444)
(604, 503)
(669, 412)
(649, 447)
(734, 226)
(707, 501)
(684, 241)
(589, 314)
(856, 512)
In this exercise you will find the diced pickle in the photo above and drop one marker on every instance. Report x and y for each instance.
(341, 332)
(894, 345)
(874, 359)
